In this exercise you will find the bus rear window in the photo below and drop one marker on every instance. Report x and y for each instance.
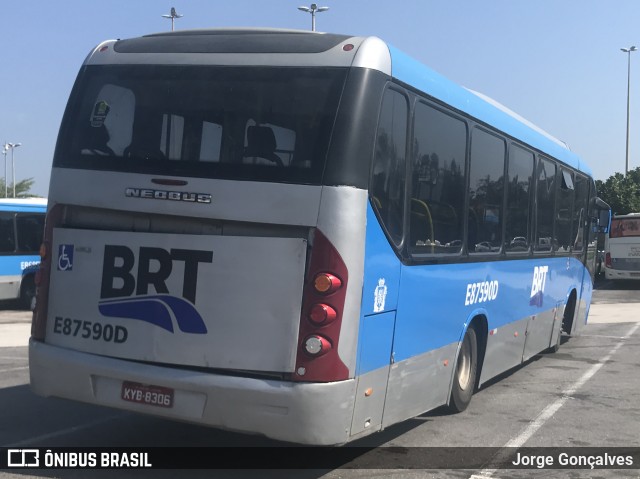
(251, 123)
(624, 227)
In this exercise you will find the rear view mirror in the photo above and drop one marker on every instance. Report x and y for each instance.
(603, 212)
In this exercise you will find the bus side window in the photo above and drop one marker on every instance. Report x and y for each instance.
(437, 182)
(486, 192)
(580, 212)
(389, 166)
(564, 210)
(7, 233)
(30, 229)
(520, 180)
(545, 208)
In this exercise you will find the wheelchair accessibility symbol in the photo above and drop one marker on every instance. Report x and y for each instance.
(65, 257)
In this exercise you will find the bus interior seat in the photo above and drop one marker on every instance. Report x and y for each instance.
(261, 143)
(95, 141)
(421, 223)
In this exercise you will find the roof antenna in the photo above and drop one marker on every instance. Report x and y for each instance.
(173, 15)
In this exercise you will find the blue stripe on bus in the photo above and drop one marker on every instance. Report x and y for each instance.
(15, 264)
(414, 73)
(23, 208)
(429, 300)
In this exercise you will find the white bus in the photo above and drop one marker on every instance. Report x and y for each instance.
(622, 248)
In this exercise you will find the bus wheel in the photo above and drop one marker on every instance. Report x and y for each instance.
(464, 381)
(28, 293)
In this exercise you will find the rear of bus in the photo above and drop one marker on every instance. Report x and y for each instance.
(203, 253)
(622, 248)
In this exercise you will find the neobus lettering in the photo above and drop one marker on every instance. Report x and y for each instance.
(119, 260)
(167, 195)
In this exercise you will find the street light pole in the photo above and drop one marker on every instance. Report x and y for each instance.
(173, 15)
(12, 146)
(5, 150)
(628, 52)
(312, 10)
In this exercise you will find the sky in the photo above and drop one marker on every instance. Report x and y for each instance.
(556, 63)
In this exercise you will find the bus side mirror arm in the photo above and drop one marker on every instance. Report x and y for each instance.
(603, 219)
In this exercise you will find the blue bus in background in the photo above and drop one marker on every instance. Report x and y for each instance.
(21, 230)
(306, 236)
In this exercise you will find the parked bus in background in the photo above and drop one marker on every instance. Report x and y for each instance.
(21, 229)
(306, 236)
(622, 248)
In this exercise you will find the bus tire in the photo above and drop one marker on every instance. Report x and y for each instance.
(464, 380)
(28, 293)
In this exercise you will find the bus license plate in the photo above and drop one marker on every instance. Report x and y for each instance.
(147, 394)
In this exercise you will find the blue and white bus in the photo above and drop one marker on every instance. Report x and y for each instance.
(300, 235)
(21, 229)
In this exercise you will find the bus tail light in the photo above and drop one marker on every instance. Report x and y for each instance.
(322, 314)
(323, 299)
(39, 321)
(607, 260)
(316, 345)
(326, 283)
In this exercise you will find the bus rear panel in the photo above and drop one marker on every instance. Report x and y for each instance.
(622, 248)
(201, 262)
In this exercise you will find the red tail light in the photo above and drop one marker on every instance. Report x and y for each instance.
(322, 314)
(326, 283)
(607, 260)
(39, 322)
(323, 300)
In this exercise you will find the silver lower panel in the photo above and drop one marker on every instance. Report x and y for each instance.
(298, 412)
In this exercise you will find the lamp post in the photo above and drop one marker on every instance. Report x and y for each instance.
(628, 52)
(5, 150)
(312, 10)
(173, 15)
(10, 146)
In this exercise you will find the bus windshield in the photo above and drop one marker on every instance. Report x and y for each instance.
(625, 227)
(241, 123)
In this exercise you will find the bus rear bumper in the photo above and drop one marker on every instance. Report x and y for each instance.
(610, 273)
(305, 413)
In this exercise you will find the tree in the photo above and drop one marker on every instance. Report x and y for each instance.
(23, 189)
(621, 192)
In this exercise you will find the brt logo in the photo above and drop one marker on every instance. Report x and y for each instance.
(538, 283)
(155, 266)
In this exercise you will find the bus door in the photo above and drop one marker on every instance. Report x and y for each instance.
(374, 363)
(377, 325)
